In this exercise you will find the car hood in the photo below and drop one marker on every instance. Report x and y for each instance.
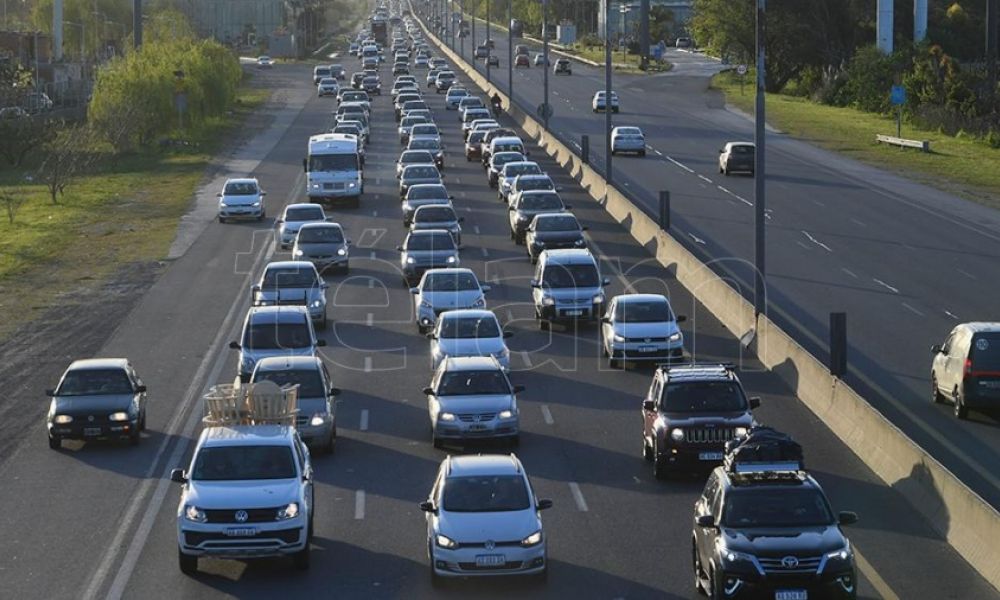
(574, 293)
(663, 329)
(558, 236)
(256, 355)
(242, 494)
(240, 200)
(324, 249)
(289, 295)
(476, 404)
(783, 541)
(470, 346)
(449, 225)
(310, 406)
(472, 528)
(79, 405)
(732, 419)
(416, 181)
(430, 256)
(443, 300)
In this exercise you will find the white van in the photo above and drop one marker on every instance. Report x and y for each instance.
(333, 169)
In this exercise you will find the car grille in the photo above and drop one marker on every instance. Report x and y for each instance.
(776, 566)
(708, 435)
(640, 340)
(221, 540)
(513, 544)
(476, 417)
(509, 565)
(254, 515)
(292, 302)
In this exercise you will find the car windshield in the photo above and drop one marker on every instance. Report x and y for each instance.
(475, 138)
(470, 101)
(741, 149)
(515, 170)
(629, 131)
(348, 129)
(428, 192)
(776, 507)
(421, 172)
(458, 93)
(566, 223)
(328, 81)
(435, 214)
(416, 157)
(320, 235)
(355, 97)
(570, 276)
(304, 213)
(424, 144)
(93, 382)
(424, 129)
(411, 121)
(473, 383)
(242, 188)
(484, 493)
(241, 463)
(643, 312)
(501, 158)
(277, 336)
(431, 241)
(541, 202)
(309, 381)
(322, 71)
(535, 183)
(986, 352)
(703, 397)
(333, 162)
(476, 113)
(508, 147)
(470, 327)
(414, 105)
(370, 80)
(289, 278)
(450, 282)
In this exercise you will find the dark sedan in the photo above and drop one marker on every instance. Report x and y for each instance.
(553, 231)
(98, 398)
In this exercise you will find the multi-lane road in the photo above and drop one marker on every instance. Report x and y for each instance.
(98, 520)
(905, 262)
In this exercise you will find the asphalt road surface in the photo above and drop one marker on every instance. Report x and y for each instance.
(904, 261)
(97, 520)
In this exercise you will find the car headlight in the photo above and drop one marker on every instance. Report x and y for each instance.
(446, 416)
(118, 417)
(223, 204)
(317, 420)
(255, 204)
(598, 299)
(842, 554)
(580, 242)
(740, 432)
(62, 419)
(506, 414)
(315, 186)
(732, 557)
(298, 252)
(677, 434)
(342, 252)
(444, 541)
(317, 303)
(479, 303)
(450, 260)
(618, 338)
(548, 301)
(289, 512)
(533, 539)
(352, 184)
(410, 260)
(193, 513)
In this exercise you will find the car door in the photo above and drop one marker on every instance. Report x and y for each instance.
(953, 356)
(538, 292)
(607, 329)
(939, 362)
(331, 402)
(702, 507)
(306, 482)
(649, 415)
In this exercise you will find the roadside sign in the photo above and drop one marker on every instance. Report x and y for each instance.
(742, 69)
(898, 95)
(657, 52)
(544, 111)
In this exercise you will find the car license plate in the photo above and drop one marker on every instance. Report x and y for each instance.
(477, 427)
(992, 384)
(647, 348)
(490, 560)
(791, 595)
(92, 431)
(574, 313)
(710, 456)
(241, 531)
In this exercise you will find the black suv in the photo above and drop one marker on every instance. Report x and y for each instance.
(766, 529)
(689, 414)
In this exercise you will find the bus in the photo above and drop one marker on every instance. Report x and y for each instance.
(333, 169)
(380, 30)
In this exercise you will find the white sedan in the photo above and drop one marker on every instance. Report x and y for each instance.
(628, 139)
(599, 102)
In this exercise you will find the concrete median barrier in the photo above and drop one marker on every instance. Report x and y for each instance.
(968, 523)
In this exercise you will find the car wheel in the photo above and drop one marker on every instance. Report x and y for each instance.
(642, 153)
(936, 396)
(699, 583)
(346, 269)
(544, 324)
(659, 465)
(534, 259)
(647, 452)
(55, 443)
(714, 586)
(187, 563)
(961, 411)
(312, 527)
(323, 323)
(614, 152)
(725, 170)
(331, 443)
(436, 441)
(614, 363)
(301, 558)
(142, 421)
(543, 576)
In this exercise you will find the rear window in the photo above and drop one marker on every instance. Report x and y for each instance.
(985, 352)
(741, 149)
(277, 336)
(431, 241)
(309, 381)
(435, 214)
(304, 214)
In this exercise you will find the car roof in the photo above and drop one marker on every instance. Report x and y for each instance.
(466, 313)
(734, 144)
(982, 326)
(449, 270)
(241, 180)
(283, 363)
(98, 363)
(321, 225)
(435, 206)
(430, 232)
(243, 435)
(507, 139)
(569, 256)
(483, 464)
(553, 215)
(698, 372)
(303, 205)
(277, 314)
(290, 264)
(640, 298)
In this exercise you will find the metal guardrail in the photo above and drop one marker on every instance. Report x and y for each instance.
(922, 145)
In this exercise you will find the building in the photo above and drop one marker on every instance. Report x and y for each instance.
(681, 9)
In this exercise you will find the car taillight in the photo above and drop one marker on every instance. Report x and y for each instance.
(968, 367)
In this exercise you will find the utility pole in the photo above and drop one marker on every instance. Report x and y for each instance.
(489, 50)
(545, 63)
(883, 26)
(57, 30)
(137, 23)
(760, 246)
(607, 92)
(643, 33)
(991, 44)
(510, 51)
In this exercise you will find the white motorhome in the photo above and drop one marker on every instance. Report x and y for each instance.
(334, 169)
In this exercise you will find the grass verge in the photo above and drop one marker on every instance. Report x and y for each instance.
(963, 166)
(123, 212)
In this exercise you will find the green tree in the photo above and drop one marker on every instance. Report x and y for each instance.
(661, 24)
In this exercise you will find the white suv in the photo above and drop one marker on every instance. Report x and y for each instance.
(483, 519)
(248, 493)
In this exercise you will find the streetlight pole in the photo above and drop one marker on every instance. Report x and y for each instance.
(760, 279)
(510, 51)
(475, 9)
(137, 23)
(545, 64)
(607, 92)
(461, 38)
(489, 48)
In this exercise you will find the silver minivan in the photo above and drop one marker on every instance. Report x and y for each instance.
(567, 287)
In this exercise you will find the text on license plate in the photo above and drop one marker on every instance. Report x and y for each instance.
(647, 348)
(990, 383)
(92, 431)
(241, 531)
(718, 456)
(490, 560)
(574, 313)
(791, 595)
(477, 427)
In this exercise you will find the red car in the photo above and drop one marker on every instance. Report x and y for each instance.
(521, 60)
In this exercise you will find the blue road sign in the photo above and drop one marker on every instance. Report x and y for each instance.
(898, 95)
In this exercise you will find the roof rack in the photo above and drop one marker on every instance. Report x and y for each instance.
(262, 403)
(728, 366)
(764, 454)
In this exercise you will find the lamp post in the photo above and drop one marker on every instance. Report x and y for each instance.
(510, 51)
(760, 279)
(607, 92)
(489, 49)
(461, 38)
(545, 64)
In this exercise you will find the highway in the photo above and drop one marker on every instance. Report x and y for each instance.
(905, 262)
(98, 520)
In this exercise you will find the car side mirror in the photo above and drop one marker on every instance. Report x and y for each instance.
(754, 401)
(706, 521)
(399, 248)
(649, 405)
(936, 349)
(255, 288)
(427, 506)
(234, 345)
(178, 476)
(335, 391)
(847, 517)
(606, 320)
(544, 504)
(414, 290)
(605, 282)
(508, 334)
(721, 151)
(263, 193)
(428, 391)
(50, 393)
(680, 318)
(485, 287)
(534, 283)
(140, 389)
(431, 336)
(218, 195)
(518, 389)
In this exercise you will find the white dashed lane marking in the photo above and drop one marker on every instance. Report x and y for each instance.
(547, 415)
(359, 504)
(574, 489)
